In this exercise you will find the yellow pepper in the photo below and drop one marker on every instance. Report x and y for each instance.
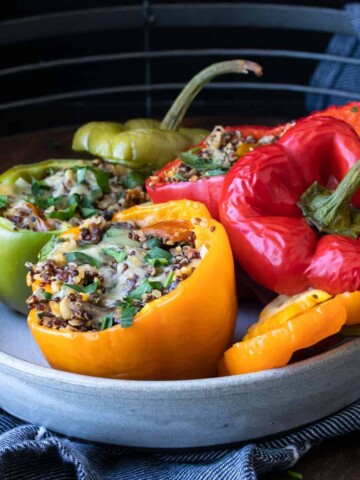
(289, 324)
(181, 335)
(274, 348)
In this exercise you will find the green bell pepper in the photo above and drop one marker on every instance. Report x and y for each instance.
(18, 247)
(146, 144)
(21, 246)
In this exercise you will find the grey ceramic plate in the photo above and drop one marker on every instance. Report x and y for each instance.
(172, 414)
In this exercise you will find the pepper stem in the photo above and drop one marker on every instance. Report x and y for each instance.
(176, 113)
(331, 211)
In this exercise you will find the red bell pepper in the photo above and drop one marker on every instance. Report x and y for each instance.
(208, 190)
(349, 113)
(288, 228)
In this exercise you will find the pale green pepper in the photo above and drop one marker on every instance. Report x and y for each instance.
(146, 144)
(19, 245)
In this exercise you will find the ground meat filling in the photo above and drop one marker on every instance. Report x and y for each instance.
(94, 285)
(221, 150)
(65, 197)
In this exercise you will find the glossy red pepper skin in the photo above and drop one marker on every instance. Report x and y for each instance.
(208, 190)
(349, 113)
(269, 236)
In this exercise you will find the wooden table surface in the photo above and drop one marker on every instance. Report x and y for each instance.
(334, 460)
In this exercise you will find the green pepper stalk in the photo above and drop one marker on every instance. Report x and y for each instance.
(331, 211)
(146, 144)
(21, 246)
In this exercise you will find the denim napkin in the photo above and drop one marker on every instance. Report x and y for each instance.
(336, 75)
(29, 452)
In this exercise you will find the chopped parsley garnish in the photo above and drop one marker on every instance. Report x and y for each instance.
(355, 109)
(153, 242)
(47, 248)
(91, 288)
(157, 256)
(180, 177)
(157, 262)
(86, 207)
(95, 194)
(74, 199)
(80, 258)
(46, 295)
(132, 180)
(81, 174)
(38, 187)
(88, 212)
(195, 149)
(64, 214)
(127, 316)
(118, 255)
(112, 232)
(128, 308)
(107, 322)
(215, 172)
(145, 287)
(141, 289)
(156, 286)
(202, 164)
(128, 311)
(3, 201)
(102, 179)
(169, 280)
(44, 203)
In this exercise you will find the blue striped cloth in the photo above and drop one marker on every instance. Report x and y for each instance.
(335, 75)
(29, 452)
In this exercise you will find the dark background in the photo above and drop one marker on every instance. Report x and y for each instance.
(56, 80)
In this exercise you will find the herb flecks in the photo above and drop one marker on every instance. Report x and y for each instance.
(201, 164)
(66, 214)
(91, 288)
(80, 258)
(47, 249)
(107, 322)
(133, 180)
(158, 256)
(118, 255)
(3, 201)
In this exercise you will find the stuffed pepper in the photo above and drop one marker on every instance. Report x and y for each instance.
(39, 200)
(145, 144)
(199, 173)
(292, 209)
(134, 300)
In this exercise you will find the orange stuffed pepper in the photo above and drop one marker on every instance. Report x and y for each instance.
(148, 296)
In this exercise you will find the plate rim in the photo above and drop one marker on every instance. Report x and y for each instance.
(229, 383)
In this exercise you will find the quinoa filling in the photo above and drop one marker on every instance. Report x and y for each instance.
(220, 151)
(105, 279)
(65, 197)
